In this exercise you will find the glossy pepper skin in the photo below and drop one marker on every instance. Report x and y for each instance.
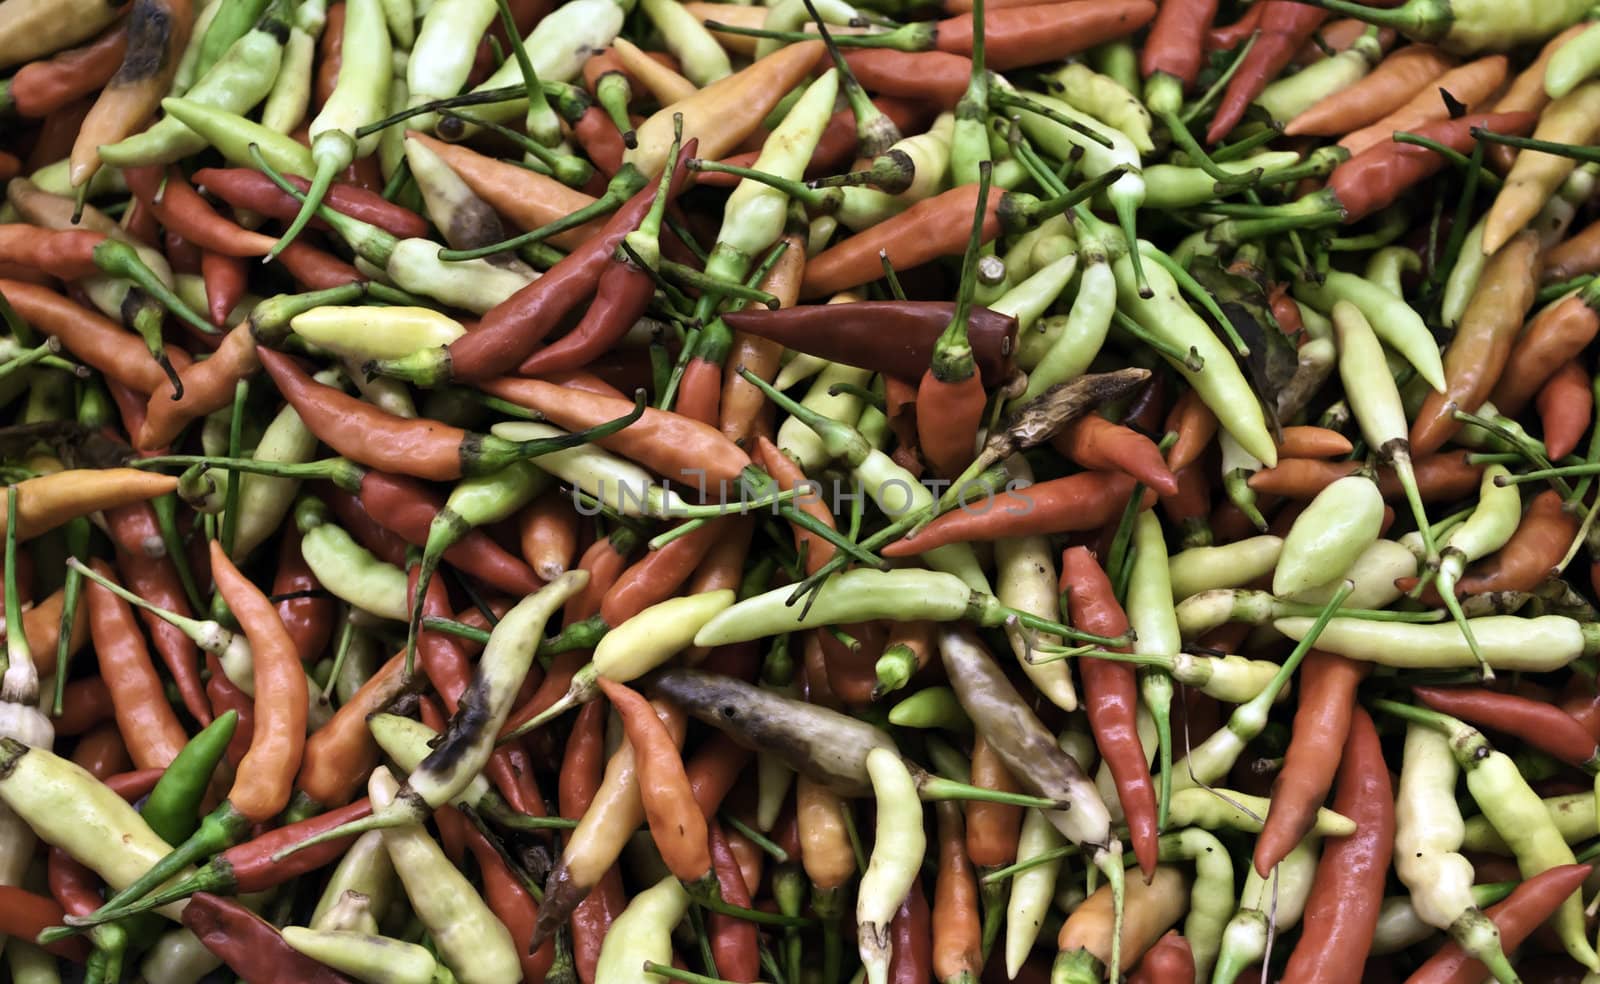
(1342, 912)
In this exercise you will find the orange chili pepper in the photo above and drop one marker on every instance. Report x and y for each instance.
(669, 444)
(1395, 81)
(1301, 478)
(42, 87)
(1482, 344)
(330, 55)
(1526, 94)
(144, 717)
(1098, 444)
(1566, 409)
(158, 30)
(676, 823)
(339, 755)
(278, 736)
(659, 574)
(1555, 337)
(548, 533)
(957, 927)
(1468, 84)
(1313, 442)
(821, 822)
(1195, 425)
(744, 412)
(529, 199)
(1574, 256)
(95, 340)
(787, 473)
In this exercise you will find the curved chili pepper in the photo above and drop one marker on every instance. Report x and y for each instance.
(98, 342)
(371, 436)
(1321, 725)
(407, 507)
(145, 719)
(671, 445)
(41, 87)
(1566, 409)
(252, 190)
(1527, 908)
(676, 823)
(158, 30)
(251, 946)
(1554, 337)
(512, 904)
(1173, 46)
(1534, 550)
(508, 333)
(895, 337)
(1283, 27)
(1542, 725)
(1085, 501)
(1111, 695)
(181, 210)
(1376, 177)
(149, 573)
(1342, 912)
(1098, 444)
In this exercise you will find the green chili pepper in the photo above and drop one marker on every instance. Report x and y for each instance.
(173, 807)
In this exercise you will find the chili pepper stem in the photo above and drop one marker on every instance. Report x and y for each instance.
(16, 652)
(622, 186)
(333, 151)
(209, 636)
(118, 259)
(221, 829)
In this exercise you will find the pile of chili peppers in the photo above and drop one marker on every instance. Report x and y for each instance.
(655, 490)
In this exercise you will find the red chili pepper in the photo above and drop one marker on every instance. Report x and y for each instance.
(167, 193)
(66, 254)
(937, 76)
(512, 904)
(407, 507)
(1321, 725)
(251, 946)
(25, 915)
(1528, 906)
(150, 573)
(1284, 27)
(508, 333)
(1084, 501)
(40, 88)
(84, 704)
(1111, 696)
(1528, 558)
(734, 942)
(1173, 46)
(1170, 961)
(1378, 176)
(227, 279)
(1566, 409)
(669, 444)
(621, 295)
(252, 190)
(659, 574)
(330, 55)
(1444, 477)
(911, 939)
(353, 516)
(1347, 891)
(1538, 723)
(308, 616)
(101, 752)
(226, 697)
